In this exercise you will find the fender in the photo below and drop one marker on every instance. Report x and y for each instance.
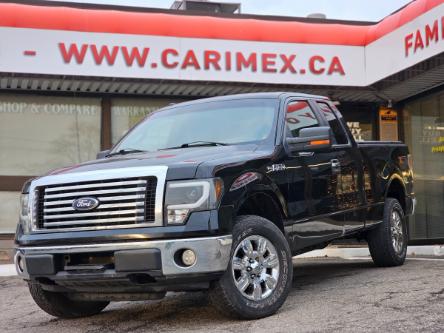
(389, 183)
(262, 184)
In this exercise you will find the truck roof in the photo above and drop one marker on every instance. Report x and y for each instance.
(271, 95)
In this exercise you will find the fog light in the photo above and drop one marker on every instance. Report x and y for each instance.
(177, 216)
(188, 257)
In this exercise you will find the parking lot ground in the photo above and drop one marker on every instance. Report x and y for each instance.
(328, 295)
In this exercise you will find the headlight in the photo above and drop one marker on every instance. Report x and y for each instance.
(183, 197)
(24, 212)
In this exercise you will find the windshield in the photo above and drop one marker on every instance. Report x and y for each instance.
(221, 122)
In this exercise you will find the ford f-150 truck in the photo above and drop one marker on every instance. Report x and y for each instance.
(216, 194)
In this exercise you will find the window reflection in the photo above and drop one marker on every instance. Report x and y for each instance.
(424, 132)
(39, 133)
(125, 113)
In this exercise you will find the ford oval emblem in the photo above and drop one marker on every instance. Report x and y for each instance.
(85, 203)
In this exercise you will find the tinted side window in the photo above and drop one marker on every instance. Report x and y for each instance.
(335, 125)
(299, 115)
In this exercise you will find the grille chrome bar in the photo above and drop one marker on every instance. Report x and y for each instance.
(98, 213)
(99, 221)
(94, 185)
(120, 186)
(76, 194)
(135, 203)
(101, 199)
(102, 206)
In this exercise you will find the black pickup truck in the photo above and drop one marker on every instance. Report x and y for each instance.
(217, 194)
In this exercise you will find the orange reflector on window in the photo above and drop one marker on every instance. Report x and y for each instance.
(319, 142)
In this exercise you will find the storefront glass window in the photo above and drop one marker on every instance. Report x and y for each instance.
(125, 113)
(39, 133)
(424, 133)
(360, 119)
(9, 205)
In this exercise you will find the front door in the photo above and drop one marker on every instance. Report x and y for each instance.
(299, 115)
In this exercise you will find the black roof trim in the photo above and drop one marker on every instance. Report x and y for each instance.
(258, 95)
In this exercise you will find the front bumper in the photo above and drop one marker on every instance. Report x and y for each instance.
(414, 202)
(156, 259)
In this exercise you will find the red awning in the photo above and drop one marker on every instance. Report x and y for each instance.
(193, 26)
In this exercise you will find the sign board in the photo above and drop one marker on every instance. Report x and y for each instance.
(439, 147)
(406, 46)
(388, 124)
(356, 130)
(125, 55)
(38, 51)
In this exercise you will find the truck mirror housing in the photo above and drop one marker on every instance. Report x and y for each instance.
(102, 154)
(311, 138)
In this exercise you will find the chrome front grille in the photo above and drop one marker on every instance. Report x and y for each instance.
(122, 202)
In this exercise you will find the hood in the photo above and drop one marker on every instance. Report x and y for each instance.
(182, 163)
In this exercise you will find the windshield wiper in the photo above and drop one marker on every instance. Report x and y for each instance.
(197, 144)
(126, 151)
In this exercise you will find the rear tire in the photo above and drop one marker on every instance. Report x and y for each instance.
(259, 276)
(59, 305)
(388, 241)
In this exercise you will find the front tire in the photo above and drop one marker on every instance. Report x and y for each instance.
(59, 305)
(259, 274)
(388, 241)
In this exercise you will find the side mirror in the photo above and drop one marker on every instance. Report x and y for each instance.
(311, 138)
(102, 154)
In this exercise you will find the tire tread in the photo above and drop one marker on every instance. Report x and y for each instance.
(221, 298)
(379, 239)
(59, 305)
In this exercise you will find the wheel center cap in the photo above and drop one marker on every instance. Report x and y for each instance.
(256, 267)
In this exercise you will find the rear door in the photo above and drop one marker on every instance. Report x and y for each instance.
(346, 197)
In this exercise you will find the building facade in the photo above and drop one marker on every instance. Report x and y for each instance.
(74, 79)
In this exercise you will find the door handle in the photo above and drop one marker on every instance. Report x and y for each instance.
(335, 166)
(306, 153)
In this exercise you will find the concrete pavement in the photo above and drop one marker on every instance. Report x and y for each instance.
(328, 295)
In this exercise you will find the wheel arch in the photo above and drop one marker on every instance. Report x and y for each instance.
(263, 203)
(396, 189)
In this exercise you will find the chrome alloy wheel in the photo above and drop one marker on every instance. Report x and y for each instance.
(397, 232)
(255, 267)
